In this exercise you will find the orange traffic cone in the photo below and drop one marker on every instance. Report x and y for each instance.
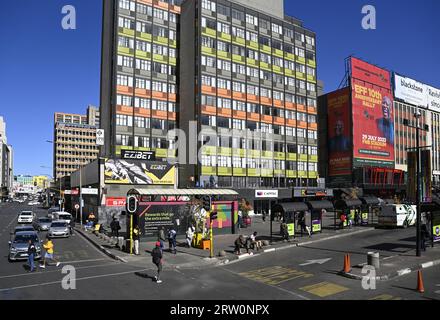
(420, 287)
(347, 266)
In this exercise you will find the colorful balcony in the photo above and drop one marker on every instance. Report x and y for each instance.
(224, 171)
(207, 171)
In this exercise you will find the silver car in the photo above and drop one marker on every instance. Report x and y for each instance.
(59, 229)
(42, 224)
(18, 246)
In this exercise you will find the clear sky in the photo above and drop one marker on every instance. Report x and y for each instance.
(44, 69)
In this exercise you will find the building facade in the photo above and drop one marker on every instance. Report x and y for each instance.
(93, 116)
(42, 182)
(74, 143)
(250, 93)
(6, 162)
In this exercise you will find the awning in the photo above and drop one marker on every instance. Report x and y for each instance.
(290, 207)
(182, 192)
(370, 200)
(319, 205)
(343, 204)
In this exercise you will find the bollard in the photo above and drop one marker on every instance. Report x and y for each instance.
(222, 253)
(373, 259)
(120, 242)
(265, 243)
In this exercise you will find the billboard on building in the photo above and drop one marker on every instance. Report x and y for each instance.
(373, 116)
(433, 96)
(340, 145)
(410, 91)
(118, 171)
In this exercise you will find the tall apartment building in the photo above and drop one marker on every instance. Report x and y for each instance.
(248, 80)
(74, 143)
(93, 116)
(6, 162)
(139, 80)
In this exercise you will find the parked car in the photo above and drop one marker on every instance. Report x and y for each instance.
(42, 223)
(51, 211)
(59, 229)
(26, 217)
(18, 246)
(397, 215)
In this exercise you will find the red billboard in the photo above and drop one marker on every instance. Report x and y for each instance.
(339, 133)
(373, 116)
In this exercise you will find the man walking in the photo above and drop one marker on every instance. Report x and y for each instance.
(157, 260)
(31, 255)
(48, 246)
(136, 237)
(172, 240)
(161, 238)
(114, 225)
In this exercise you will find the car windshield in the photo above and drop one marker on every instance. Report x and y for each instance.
(58, 224)
(26, 238)
(26, 213)
(44, 220)
(64, 216)
(30, 228)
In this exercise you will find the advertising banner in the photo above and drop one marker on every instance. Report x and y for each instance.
(163, 215)
(410, 91)
(118, 171)
(340, 145)
(116, 202)
(433, 96)
(373, 125)
(367, 72)
(436, 233)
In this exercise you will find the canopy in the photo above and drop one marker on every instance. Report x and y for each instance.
(181, 192)
(318, 205)
(370, 200)
(343, 204)
(290, 207)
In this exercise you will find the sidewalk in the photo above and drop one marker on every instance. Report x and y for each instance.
(194, 257)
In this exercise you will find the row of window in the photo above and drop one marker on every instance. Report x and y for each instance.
(147, 65)
(142, 122)
(242, 106)
(142, 83)
(127, 42)
(144, 103)
(253, 20)
(144, 142)
(148, 11)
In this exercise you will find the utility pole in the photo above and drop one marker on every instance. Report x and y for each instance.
(417, 115)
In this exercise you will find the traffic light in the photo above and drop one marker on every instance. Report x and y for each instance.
(132, 204)
(207, 203)
(213, 215)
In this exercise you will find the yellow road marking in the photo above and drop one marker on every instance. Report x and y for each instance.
(324, 289)
(275, 275)
(385, 297)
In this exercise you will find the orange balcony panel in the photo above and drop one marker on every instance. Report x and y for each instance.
(209, 110)
(224, 93)
(159, 114)
(290, 105)
(146, 1)
(290, 123)
(267, 119)
(239, 114)
(252, 98)
(313, 126)
(142, 112)
(253, 116)
(266, 101)
(175, 9)
(278, 103)
(124, 110)
(124, 89)
(172, 116)
(172, 97)
(302, 124)
(312, 110)
(239, 96)
(160, 4)
(279, 121)
(301, 107)
(224, 112)
(208, 90)
(143, 93)
(159, 95)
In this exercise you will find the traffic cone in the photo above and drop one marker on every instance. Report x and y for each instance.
(347, 266)
(420, 287)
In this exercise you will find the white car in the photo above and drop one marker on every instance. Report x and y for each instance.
(26, 217)
(59, 229)
(62, 215)
(397, 215)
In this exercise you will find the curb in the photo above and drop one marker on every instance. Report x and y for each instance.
(396, 274)
(101, 248)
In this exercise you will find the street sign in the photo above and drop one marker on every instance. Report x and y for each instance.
(99, 137)
(266, 193)
(93, 191)
(77, 206)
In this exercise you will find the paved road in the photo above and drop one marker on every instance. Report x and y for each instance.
(281, 275)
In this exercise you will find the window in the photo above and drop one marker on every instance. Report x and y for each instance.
(209, 23)
(311, 71)
(266, 93)
(224, 122)
(291, 115)
(239, 105)
(251, 36)
(277, 45)
(126, 23)
(143, 64)
(127, 5)
(159, 105)
(160, 31)
(278, 62)
(160, 87)
(224, 65)
(237, 14)
(158, 49)
(139, 122)
(251, 19)
(208, 61)
(172, 107)
(238, 124)
(124, 100)
(224, 103)
(208, 120)
(238, 32)
(277, 28)
(266, 75)
(278, 95)
(288, 33)
(238, 50)
(123, 80)
(300, 84)
(238, 68)
(310, 40)
(145, 10)
(266, 128)
(223, 46)
(143, 142)
(158, 124)
(160, 14)
(265, 58)
(300, 68)
(224, 161)
(301, 133)
(143, 46)
(123, 120)
(123, 140)
(208, 5)
(144, 27)
(264, 41)
(253, 90)
(143, 84)
(311, 87)
(252, 72)
(209, 101)
(310, 55)
(208, 42)
(209, 161)
(223, 27)
(223, 84)
(289, 81)
(312, 134)
(289, 65)
(253, 126)
(301, 100)
(142, 103)
(299, 37)
(300, 52)
(126, 42)
(301, 116)
(239, 87)
(311, 118)
(125, 61)
(221, 9)
(208, 81)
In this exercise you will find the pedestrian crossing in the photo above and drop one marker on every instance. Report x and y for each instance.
(275, 275)
(324, 289)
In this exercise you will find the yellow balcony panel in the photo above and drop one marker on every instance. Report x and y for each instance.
(238, 40)
(171, 153)
(172, 61)
(223, 54)
(292, 156)
(253, 172)
(161, 153)
(289, 56)
(311, 78)
(209, 32)
(302, 157)
(289, 73)
(143, 54)
(302, 174)
(224, 171)
(209, 150)
(278, 69)
(238, 58)
(252, 62)
(300, 59)
(208, 51)
(267, 154)
(265, 66)
(160, 58)
(224, 36)
(267, 172)
(124, 50)
(291, 174)
(313, 158)
(311, 63)
(239, 152)
(252, 45)
(224, 151)
(160, 40)
(313, 174)
(145, 36)
(279, 173)
(277, 52)
(254, 153)
(266, 49)
(173, 43)
(239, 172)
(301, 75)
(207, 171)
(127, 32)
(279, 155)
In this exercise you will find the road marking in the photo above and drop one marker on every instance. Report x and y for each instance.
(77, 279)
(427, 264)
(324, 289)
(321, 261)
(269, 250)
(385, 297)
(404, 271)
(275, 275)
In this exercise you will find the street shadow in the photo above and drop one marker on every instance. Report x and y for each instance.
(405, 288)
(410, 239)
(392, 247)
(26, 267)
(144, 275)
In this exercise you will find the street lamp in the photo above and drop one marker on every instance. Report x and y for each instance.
(80, 191)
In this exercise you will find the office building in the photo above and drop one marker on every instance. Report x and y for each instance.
(6, 163)
(93, 116)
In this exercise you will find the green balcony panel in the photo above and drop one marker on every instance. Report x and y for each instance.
(302, 174)
(289, 73)
(209, 151)
(279, 173)
(265, 66)
(145, 36)
(161, 153)
(224, 36)
(278, 53)
(239, 59)
(252, 62)
(224, 151)
(300, 59)
(289, 56)
(239, 172)
(160, 40)
(208, 51)
(126, 32)
(223, 54)
(172, 61)
(160, 58)
(252, 45)
(313, 158)
(207, 171)
(311, 78)
(267, 154)
(253, 172)
(209, 32)
(265, 49)
(277, 69)
(279, 155)
(292, 156)
(313, 174)
(311, 63)
(291, 174)
(143, 54)
(254, 153)
(124, 50)
(302, 157)
(173, 43)
(301, 75)
(267, 172)
(239, 153)
(238, 40)
(224, 171)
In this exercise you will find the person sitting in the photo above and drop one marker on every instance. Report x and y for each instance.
(241, 242)
(256, 245)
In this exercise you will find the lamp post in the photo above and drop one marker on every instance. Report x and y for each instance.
(80, 190)
(417, 115)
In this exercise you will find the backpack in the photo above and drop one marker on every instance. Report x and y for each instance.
(157, 255)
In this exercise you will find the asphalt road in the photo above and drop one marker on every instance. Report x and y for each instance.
(281, 275)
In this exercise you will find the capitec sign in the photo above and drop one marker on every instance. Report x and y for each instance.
(266, 193)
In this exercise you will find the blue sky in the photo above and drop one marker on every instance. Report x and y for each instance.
(45, 69)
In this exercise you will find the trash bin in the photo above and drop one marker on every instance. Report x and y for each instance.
(373, 259)
(120, 242)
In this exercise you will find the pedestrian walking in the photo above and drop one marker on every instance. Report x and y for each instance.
(343, 219)
(49, 247)
(240, 220)
(161, 237)
(31, 255)
(357, 217)
(302, 223)
(72, 225)
(136, 237)
(115, 227)
(425, 235)
(157, 260)
(189, 236)
(172, 240)
(264, 215)
(284, 231)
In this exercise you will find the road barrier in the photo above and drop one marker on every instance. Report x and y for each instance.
(420, 287)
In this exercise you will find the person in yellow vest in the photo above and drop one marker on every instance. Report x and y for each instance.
(48, 246)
